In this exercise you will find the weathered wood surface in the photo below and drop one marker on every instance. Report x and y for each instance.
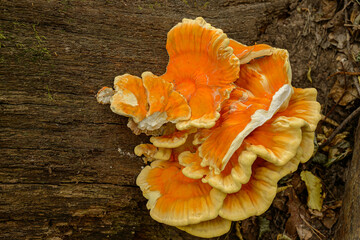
(67, 168)
(349, 224)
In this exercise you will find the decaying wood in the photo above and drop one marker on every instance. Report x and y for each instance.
(67, 168)
(349, 224)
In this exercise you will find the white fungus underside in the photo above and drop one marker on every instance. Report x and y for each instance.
(257, 119)
(104, 95)
(154, 121)
(128, 98)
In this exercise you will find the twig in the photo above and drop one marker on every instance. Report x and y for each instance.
(329, 120)
(339, 128)
(351, 25)
(317, 232)
(345, 73)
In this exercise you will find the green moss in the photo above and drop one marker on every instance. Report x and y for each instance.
(157, 4)
(49, 93)
(200, 4)
(23, 42)
(2, 37)
(17, 25)
(38, 51)
(151, 6)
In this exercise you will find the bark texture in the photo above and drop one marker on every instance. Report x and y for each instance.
(349, 224)
(67, 168)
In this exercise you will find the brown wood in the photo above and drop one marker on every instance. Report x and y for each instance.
(67, 168)
(348, 223)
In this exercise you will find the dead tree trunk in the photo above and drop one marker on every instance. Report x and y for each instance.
(349, 224)
(67, 168)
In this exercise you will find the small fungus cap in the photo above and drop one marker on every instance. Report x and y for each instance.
(150, 102)
(264, 88)
(255, 197)
(165, 104)
(208, 229)
(202, 68)
(236, 173)
(172, 140)
(130, 99)
(152, 153)
(238, 120)
(248, 53)
(176, 200)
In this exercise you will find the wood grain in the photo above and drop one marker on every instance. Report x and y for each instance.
(67, 168)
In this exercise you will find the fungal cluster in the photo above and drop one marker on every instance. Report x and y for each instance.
(225, 123)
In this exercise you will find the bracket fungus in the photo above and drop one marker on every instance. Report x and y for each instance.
(225, 123)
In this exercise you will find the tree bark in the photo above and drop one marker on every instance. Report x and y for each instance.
(67, 168)
(349, 221)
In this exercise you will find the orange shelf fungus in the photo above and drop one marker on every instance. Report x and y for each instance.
(208, 229)
(256, 196)
(150, 102)
(226, 126)
(202, 68)
(176, 200)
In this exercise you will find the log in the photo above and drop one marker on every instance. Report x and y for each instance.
(67, 168)
(349, 220)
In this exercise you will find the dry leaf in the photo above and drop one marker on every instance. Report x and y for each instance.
(329, 219)
(320, 158)
(264, 225)
(304, 234)
(355, 16)
(249, 228)
(327, 131)
(338, 152)
(339, 138)
(238, 231)
(313, 185)
(337, 91)
(316, 213)
(295, 226)
(338, 37)
(328, 8)
(329, 120)
(282, 237)
(334, 205)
